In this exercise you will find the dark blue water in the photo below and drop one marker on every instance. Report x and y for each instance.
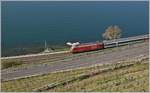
(25, 24)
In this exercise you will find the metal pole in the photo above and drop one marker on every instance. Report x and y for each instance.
(117, 44)
(45, 44)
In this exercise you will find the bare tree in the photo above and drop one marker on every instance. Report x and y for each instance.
(112, 32)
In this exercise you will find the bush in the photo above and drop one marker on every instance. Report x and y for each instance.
(112, 32)
(10, 64)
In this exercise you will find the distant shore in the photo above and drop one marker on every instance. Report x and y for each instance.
(30, 50)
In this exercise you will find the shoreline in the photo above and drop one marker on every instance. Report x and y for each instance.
(57, 48)
(9, 52)
(33, 55)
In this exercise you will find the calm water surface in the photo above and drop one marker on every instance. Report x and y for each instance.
(28, 24)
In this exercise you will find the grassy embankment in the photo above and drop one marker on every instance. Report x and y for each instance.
(31, 61)
(131, 75)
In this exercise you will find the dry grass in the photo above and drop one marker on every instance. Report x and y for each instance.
(134, 78)
(125, 78)
(28, 84)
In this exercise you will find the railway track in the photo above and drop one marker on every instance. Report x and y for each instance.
(49, 59)
(34, 55)
(79, 60)
(106, 43)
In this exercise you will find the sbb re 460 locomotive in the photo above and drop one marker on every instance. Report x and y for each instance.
(77, 47)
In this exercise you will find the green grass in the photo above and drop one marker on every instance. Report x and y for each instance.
(127, 76)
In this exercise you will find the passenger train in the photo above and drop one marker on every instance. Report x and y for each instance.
(77, 47)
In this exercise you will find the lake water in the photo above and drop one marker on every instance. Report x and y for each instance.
(28, 24)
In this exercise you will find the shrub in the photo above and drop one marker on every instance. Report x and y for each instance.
(112, 32)
(10, 64)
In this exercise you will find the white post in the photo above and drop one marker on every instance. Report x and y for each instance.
(45, 44)
(128, 44)
(117, 44)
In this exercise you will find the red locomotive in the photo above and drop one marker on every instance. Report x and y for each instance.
(76, 47)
